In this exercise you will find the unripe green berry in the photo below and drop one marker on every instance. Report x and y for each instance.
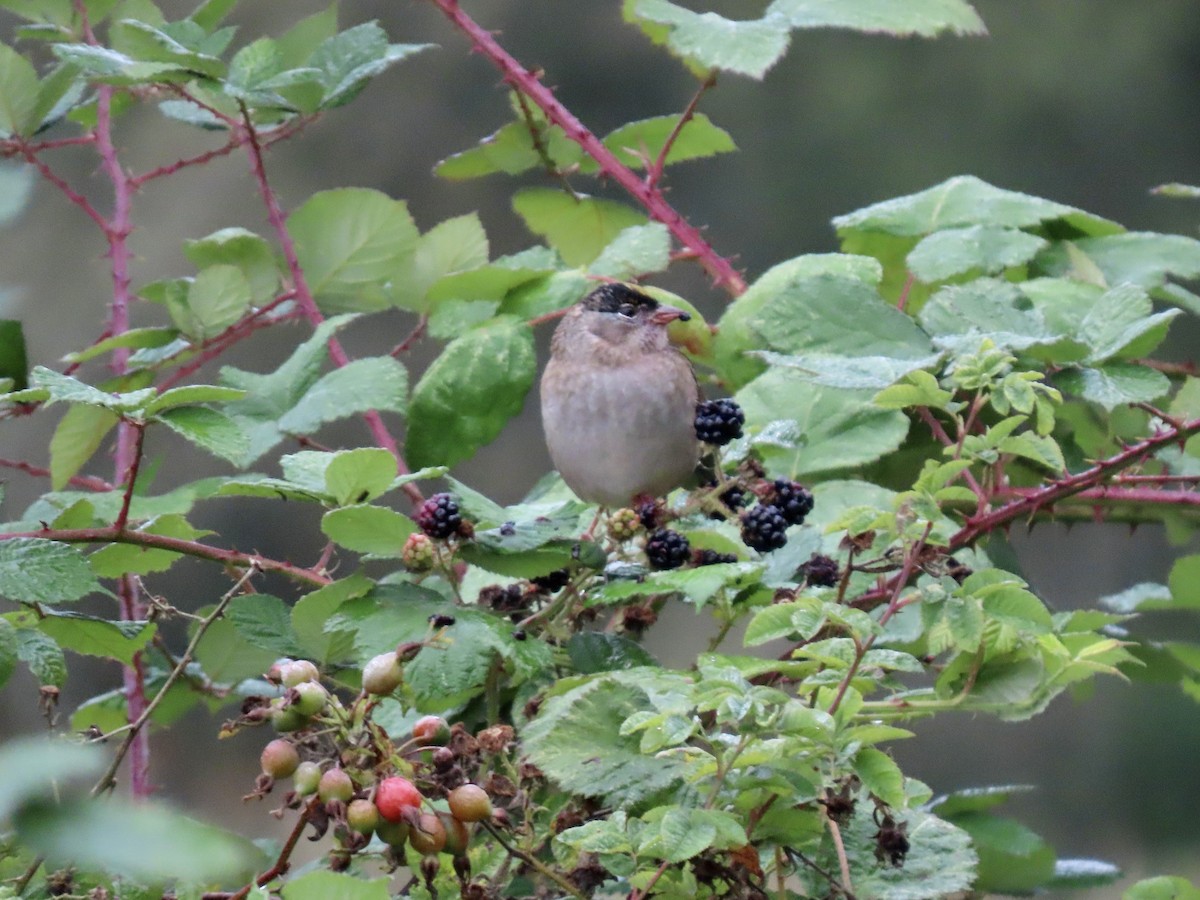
(394, 834)
(306, 778)
(288, 718)
(382, 674)
(470, 803)
(362, 816)
(296, 671)
(310, 698)
(623, 524)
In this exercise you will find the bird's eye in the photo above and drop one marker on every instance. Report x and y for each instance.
(627, 310)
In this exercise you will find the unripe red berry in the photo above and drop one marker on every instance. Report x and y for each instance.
(429, 834)
(470, 803)
(382, 674)
(335, 785)
(306, 778)
(395, 797)
(430, 731)
(279, 758)
(418, 553)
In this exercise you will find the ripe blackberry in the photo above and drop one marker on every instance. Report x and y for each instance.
(552, 582)
(820, 571)
(794, 500)
(439, 516)
(732, 499)
(764, 528)
(649, 512)
(667, 549)
(719, 421)
(712, 557)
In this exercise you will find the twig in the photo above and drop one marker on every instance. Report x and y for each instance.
(654, 170)
(533, 861)
(839, 846)
(84, 481)
(649, 196)
(127, 497)
(107, 780)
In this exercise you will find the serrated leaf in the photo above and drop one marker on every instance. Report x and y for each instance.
(113, 67)
(986, 249)
(94, 636)
(9, 650)
(350, 241)
(925, 18)
(638, 250)
(1142, 258)
(34, 570)
(829, 428)
(698, 585)
(1114, 384)
(18, 93)
(598, 651)
(373, 383)
(578, 227)
(311, 612)
(881, 776)
(264, 621)
(76, 438)
(43, 656)
(635, 142)
(510, 150)
(709, 41)
(55, 387)
(353, 476)
(1012, 859)
(576, 740)
(211, 430)
(249, 252)
(347, 61)
(854, 372)
(469, 392)
(682, 834)
(454, 245)
(368, 529)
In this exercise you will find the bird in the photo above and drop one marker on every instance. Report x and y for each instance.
(618, 400)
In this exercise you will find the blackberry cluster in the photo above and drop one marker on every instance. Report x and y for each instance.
(794, 500)
(667, 549)
(764, 528)
(439, 516)
(553, 582)
(650, 513)
(719, 421)
(712, 557)
(820, 571)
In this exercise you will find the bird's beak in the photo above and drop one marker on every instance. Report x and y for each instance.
(665, 315)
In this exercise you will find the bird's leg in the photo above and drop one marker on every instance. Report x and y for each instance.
(591, 529)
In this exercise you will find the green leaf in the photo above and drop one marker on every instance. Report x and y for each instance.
(137, 840)
(634, 142)
(709, 41)
(1115, 384)
(354, 476)
(1122, 324)
(244, 249)
(135, 338)
(324, 885)
(264, 621)
(1012, 859)
(576, 739)
(272, 395)
(14, 363)
(963, 201)
(940, 861)
(311, 612)
(987, 249)
(455, 245)
(43, 656)
(736, 331)
(347, 61)
(699, 585)
(376, 382)
(93, 636)
(206, 428)
(510, 150)
(18, 93)
(1184, 582)
(192, 394)
(227, 657)
(368, 529)
(1163, 887)
(113, 67)
(350, 241)
(469, 392)
(881, 776)
(34, 570)
(925, 18)
(36, 767)
(9, 650)
(850, 371)
(975, 799)
(578, 227)
(682, 834)
(1074, 874)
(1142, 258)
(77, 437)
(637, 250)
(599, 651)
(53, 387)
(822, 429)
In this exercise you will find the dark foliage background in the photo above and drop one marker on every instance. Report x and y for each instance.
(1088, 102)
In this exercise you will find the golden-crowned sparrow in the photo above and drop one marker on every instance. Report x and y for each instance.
(618, 401)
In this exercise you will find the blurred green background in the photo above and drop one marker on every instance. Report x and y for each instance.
(1086, 102)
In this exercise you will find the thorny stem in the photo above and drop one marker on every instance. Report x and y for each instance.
(307, 302)
(654, 170)
(133, 729)
(83, 481)
(649, 196)
(229, 558)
